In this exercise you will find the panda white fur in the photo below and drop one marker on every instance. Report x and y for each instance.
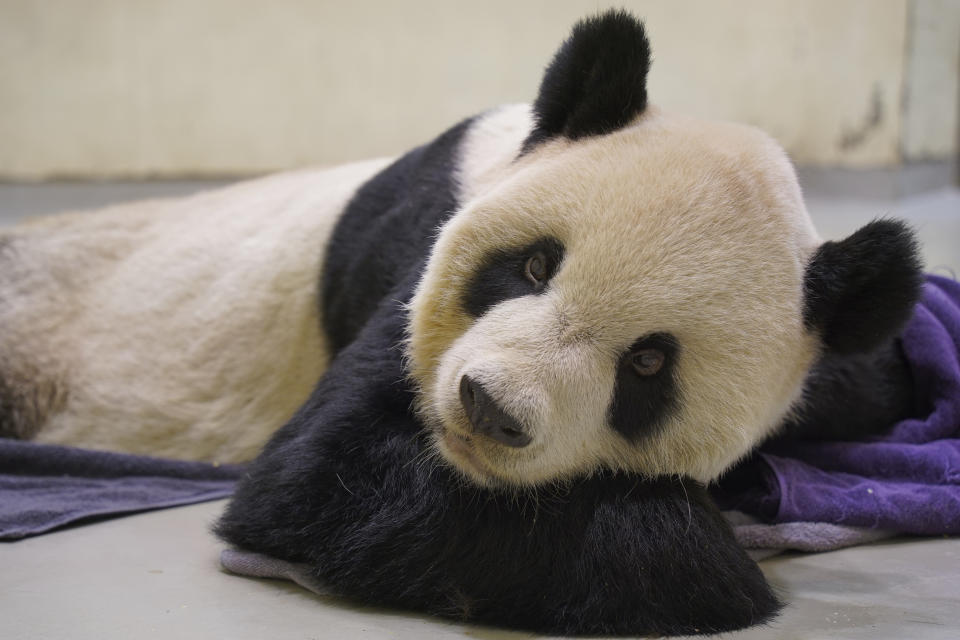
(544, 297)
(184, 328)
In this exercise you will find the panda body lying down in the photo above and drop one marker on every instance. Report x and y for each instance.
(611, 287)
(582, 309)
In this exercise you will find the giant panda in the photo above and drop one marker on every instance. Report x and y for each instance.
(551, 326)
(540, 335)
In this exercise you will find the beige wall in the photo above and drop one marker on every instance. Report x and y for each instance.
(931, 98)
(133, 88)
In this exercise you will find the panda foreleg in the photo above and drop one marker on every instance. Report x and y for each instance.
(349, 488)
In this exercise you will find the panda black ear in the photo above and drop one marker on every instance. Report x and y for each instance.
(860, 291)
(597, 81)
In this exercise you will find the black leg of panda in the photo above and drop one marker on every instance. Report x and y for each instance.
(348, 488)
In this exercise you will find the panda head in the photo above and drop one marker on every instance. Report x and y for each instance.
(631, 289)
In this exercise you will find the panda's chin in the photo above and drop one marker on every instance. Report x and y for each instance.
(460, 453)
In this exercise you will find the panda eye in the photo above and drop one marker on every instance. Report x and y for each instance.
(508, 273)
(536, 269)
(647, 362)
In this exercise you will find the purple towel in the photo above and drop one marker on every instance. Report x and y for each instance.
(44, 487)
(907, 481)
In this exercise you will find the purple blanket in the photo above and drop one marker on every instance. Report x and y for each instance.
(44, 487)
(907, 481)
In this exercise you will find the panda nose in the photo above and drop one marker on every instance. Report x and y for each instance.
(488, 418)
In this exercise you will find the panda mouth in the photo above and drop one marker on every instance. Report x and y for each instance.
(460, 446)
(459, 450)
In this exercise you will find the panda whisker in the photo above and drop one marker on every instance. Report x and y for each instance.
(423, 456)
(340, 480)
(430, 458)
(689, 509)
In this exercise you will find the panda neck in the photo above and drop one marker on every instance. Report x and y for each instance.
(490, 148)
(848, 397)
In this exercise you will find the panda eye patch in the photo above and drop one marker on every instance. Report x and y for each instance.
(646, 390)
(509, 273)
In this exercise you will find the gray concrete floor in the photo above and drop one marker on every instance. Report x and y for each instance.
(156, 575)
(934, 215)
(21, 200)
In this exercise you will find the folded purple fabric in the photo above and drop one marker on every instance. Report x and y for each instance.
(907, 481)
(258, 565)
(762, 540)
(43, 487)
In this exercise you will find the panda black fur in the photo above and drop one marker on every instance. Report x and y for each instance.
(350, 487)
